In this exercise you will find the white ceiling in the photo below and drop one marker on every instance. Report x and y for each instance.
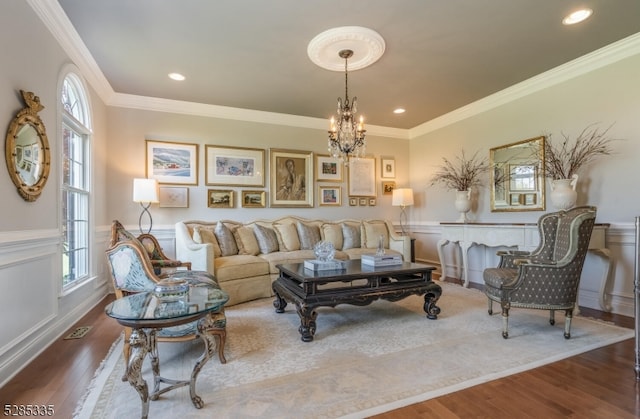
(252, 54)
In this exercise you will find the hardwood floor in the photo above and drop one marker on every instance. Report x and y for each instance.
(597, 384)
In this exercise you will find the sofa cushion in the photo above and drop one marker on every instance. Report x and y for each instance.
(226, 240)
(372, 233)
(332, 233)
(350, 236)
(229, 268)
(267, 239)
(246, 241)
(287, 235)
(205, 235)
(308, 234)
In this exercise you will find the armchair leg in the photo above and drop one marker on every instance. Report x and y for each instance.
(505, 320)
(490, 306)
(552, 317)
(126, 350)
(567, 323)
(222, 338)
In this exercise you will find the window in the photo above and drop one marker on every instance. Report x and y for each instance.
(76, 194)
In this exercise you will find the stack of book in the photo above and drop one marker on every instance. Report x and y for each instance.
(383, 260)
(321, 265)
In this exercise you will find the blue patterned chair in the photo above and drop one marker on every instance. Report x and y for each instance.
(548, 277)
(132, 272)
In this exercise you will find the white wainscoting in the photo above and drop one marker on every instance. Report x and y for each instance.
(620, 240)
(34, 312)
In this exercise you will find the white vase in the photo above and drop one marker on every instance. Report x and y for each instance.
(563, 193)
(463, 204)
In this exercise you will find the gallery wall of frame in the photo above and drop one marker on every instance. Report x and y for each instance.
(238, 176)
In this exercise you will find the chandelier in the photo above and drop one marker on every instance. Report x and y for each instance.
(346, 136)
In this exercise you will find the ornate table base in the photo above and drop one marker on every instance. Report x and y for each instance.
(143, 343)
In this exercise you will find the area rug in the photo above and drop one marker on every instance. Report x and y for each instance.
(363, 361)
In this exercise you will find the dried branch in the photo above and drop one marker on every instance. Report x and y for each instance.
(460, 174)
(564, 160)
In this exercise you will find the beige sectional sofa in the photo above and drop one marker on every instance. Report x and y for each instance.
(243, 256)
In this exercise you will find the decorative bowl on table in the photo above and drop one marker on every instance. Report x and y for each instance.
(172, 289)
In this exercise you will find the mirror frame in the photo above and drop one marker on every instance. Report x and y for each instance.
(513, 199)
(28, 116)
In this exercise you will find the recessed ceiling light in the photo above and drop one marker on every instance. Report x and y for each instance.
(176, 76)
(399, 110)
(577, 16)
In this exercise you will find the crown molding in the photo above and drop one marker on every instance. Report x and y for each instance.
(55, 19)
(604, 56)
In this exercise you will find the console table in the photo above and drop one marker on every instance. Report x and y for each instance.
(525, 236)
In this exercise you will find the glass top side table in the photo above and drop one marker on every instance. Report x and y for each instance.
(146, 313)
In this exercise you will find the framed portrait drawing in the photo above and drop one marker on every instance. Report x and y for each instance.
(290, 178)
(388, 167)
(172, 163)
(234, 166)
(372, 202)
(353, 202)
(330, 195)
(254, 199)
(173, 196)
(362, 177)
(218, 198)
(363, 202)
(328, 169)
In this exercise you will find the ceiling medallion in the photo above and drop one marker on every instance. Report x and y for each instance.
(367, 46)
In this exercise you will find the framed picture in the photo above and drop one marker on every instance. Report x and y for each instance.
(514, 199)
(330, 195)
(522, 177)
(254, 199)
(388, 167)
(363, 202)
(328, 169)
(362, 177)
(173, 196)
(530, 199)
(291, 178)
(372, 202)
(388, 187)
(353, 202)
(172, 163)
(220, 198)
(234, 166)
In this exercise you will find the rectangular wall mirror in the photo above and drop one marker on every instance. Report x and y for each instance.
(517, 176)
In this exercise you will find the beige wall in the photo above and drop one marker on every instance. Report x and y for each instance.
(126, 160)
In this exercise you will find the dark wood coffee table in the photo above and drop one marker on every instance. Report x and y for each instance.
(357, 284)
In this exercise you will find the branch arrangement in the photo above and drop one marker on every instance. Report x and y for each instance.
(562, 161)
(460, 174)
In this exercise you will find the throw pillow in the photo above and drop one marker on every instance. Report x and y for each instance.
(373, 231)
(207, 236)
(225, 238)
(287, 237)
(308, 234)
(246, 241)
(267, 239)
(351, 236)
(332, 233)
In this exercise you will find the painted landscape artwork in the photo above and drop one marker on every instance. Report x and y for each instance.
(171, 162)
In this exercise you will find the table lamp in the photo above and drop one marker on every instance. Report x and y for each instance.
(145, 191)
(402, 197)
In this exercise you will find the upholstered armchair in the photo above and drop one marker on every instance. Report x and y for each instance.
(131, 272)
(548, 277)
(159, 260)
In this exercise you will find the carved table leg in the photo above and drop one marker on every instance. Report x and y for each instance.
(209, 348)
(140, 344)
(307, 322)
(431, 297)
(279, 303)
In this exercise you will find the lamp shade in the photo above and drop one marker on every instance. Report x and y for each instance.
(145, 190)
(402, 197)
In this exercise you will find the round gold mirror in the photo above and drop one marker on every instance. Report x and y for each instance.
(27, 149)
